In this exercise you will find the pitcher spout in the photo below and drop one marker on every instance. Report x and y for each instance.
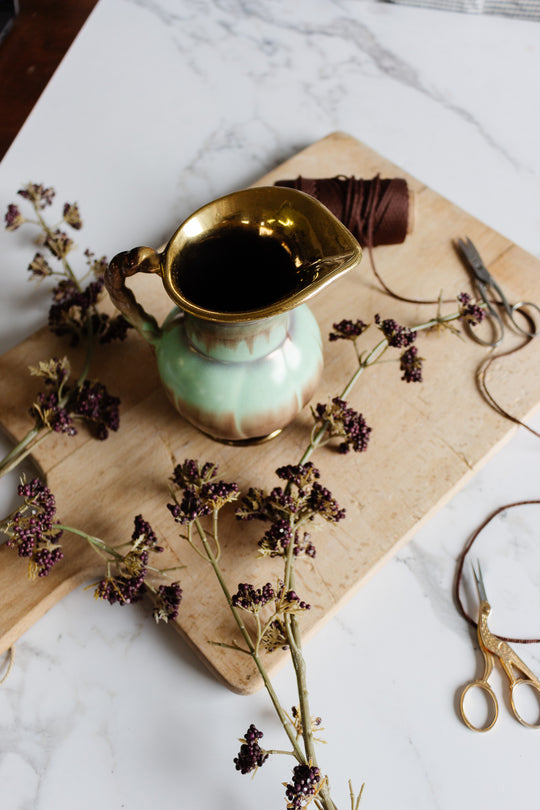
(255, 253)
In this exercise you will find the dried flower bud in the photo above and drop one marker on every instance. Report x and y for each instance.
(200, 494)
(72, 216)
(48, 412)
(396, 335)
(344, 422)
(276, 539)
(53, 371)
(39, 267)
(275, 637)
(121, 589)
(290, 602)
(251, 756)
(321, 502)
(301, 475)
(31, 530)
(59, 243)
(191, 474)
(347, 330)
(411, 365)
(38, 195)
(97, 266)
(252, 599)
(14, 219)
(97, 407)
(126, 584)
(305, 784)
(167, 601)
(469, 311)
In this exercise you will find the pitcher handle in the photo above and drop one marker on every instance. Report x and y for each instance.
(123, 265)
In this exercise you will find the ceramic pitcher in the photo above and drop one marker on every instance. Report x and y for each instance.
(240, 354)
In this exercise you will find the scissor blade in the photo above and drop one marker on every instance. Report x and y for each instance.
(479, 579)
(474, 260)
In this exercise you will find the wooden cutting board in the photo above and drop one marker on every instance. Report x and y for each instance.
(427, 439)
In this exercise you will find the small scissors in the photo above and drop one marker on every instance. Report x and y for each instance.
(488, 288)
(492, 647)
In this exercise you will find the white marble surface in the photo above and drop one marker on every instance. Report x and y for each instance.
(159, 106)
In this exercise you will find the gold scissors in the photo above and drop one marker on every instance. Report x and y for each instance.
(493, 647)
(494, 299)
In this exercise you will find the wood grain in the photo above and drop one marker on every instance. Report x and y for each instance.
(427, 439)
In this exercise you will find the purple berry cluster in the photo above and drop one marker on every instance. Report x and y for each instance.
(191, 474)
(305, 784)
(347, 330)
(470, 312)
(398, 336)
(303, 499)
(99, 409)
(58, 407)
(127, 583)
(121, 589)
(252, 599)
(74, 310)
(167, 601)
(31, 529)
(322, 502)
(276, 540)
(290, 602)
(196, 493)
(251, 756)
(126, 580)
(344, 422)
(48, 411)
(302, 476)
(411, 365)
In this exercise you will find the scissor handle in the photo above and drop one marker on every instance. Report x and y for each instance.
(524, 682)
(492, 718)
(522, 307)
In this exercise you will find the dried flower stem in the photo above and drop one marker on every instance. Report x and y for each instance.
(299, 665)
(212, 559)
(252, 648)
(102, 548)
(49, 232)
(17, 454)
(373, 357)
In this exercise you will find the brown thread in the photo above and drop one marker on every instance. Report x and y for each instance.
(461, 563)
(481, 376)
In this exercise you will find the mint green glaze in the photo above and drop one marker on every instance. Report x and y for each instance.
(240, 381)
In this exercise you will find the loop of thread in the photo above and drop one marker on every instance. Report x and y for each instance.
(375, 211)
(461, 563)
